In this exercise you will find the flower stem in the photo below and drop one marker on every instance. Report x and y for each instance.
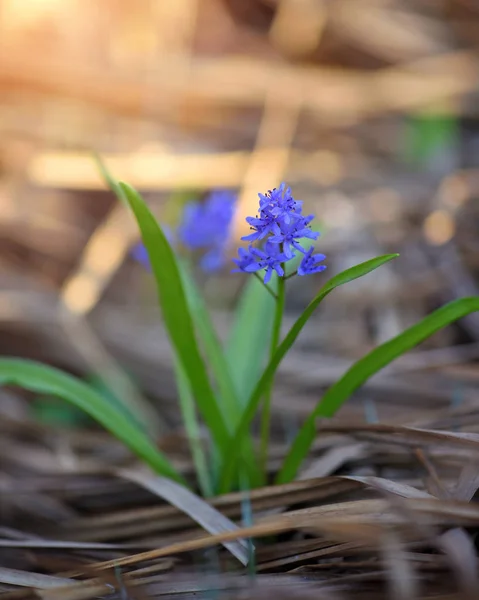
(275, 336)
(258, 276)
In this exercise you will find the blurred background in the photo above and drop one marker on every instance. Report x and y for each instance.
(367, 108)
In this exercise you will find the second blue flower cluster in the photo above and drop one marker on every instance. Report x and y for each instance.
(282, 226)
(204, 229)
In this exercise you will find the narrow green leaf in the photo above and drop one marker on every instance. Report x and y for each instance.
(54, 411)
(110, 181)
(248, 344)
(177, 316)
(268, 374)
(198, 452)
(214, 351)
(363, 369)
(43, 379)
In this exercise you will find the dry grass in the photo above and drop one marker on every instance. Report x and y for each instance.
(392, 511)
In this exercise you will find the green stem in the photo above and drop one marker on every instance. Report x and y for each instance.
(259, 278)
(275, 338)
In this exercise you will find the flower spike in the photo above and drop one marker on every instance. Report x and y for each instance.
(282, 226)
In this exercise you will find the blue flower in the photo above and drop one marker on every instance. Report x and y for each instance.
(204, 226)
(280, 204)
(207, 224)
(277, 208)
(253, 260)
(282, 226)
(291, 233)
(262, 226)
(310, 263)
(245, 260)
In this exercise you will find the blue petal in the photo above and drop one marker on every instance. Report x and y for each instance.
(252, 267)
(255, 221)
(259, 253)
(140, 254)
(251, 237)
(308, 253)
(298, 246)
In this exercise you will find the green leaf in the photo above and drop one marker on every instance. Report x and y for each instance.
(363, 369)
(268, 374)
(177, 316)
(213, 349)
(188, 411)
(110, 181)
(43, 379)
(215, 355)
(98, 383)
(210, 342)
(248, 344)
(53, 411)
